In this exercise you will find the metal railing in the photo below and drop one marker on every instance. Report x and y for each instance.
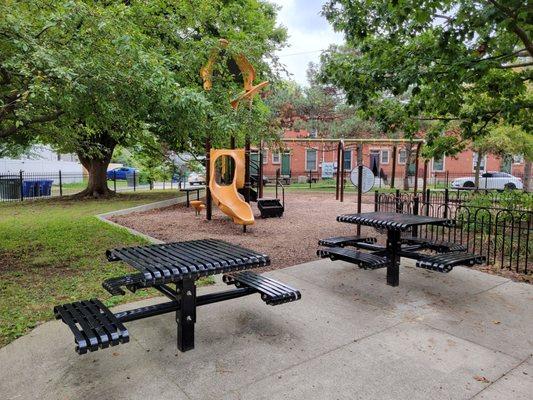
(503, 235)
(24, 186)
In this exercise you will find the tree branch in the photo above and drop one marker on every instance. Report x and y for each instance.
(40, 119)
(525, 64)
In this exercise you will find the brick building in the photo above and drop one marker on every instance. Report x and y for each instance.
(297, 158)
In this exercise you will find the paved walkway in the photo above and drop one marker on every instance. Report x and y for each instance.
(463, 335)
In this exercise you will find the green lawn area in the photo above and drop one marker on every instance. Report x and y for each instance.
(53, 251)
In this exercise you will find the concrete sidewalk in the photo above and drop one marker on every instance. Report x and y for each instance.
(463, 335)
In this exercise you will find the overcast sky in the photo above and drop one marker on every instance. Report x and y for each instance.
(309, 33)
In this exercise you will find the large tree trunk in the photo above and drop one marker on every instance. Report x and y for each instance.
(527, 175)
(96, 166)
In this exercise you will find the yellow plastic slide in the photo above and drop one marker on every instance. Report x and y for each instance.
(226, 197)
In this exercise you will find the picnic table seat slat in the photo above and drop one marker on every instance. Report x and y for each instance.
(272, 292)
(99, 327)
(444, 262)
(342, 241)
(362, 259)
(440, 246)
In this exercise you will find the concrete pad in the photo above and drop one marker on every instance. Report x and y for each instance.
(351, 336)
(410, 361)
(516, 385)
(500, 318)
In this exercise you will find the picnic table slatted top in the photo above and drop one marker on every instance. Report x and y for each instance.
(172, 262)
(392, 221)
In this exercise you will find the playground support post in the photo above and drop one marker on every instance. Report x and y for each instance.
(260, 178)
(359, 193)
(393, 166)
(425, 178)
(247, 184)
(341, 166)
(208, 199)
(338, 171)
(417, 159)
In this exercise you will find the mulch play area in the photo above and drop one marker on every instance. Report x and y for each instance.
(289, 240)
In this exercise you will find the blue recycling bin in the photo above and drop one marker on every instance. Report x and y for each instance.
(45, 187)
(30, 188)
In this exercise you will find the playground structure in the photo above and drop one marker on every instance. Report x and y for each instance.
(227, 197)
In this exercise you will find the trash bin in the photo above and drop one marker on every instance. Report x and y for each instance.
(9, 188)
(45, 187)
(30, 188)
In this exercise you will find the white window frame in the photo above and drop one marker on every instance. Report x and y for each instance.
(400, 157)
(384, 151)
(278, 155)
(483, 168)
(443, 164)
(316, 158)
(518, 159)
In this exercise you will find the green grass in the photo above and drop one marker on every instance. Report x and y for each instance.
(53, 252)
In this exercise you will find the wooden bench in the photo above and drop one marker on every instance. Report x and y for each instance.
(361, 259)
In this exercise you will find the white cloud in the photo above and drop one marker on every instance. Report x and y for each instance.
(309, 33)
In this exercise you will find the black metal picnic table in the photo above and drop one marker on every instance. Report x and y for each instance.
(179, 263)
(394, 223)
(190, 189)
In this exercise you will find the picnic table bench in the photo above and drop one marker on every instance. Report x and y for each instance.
(451, 254)
(190, 189)
(95, 327)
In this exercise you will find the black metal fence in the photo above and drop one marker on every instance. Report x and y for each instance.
(503, 235)
(23, 186)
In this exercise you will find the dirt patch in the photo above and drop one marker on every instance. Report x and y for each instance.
(289, 240)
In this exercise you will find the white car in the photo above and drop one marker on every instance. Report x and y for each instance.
(490, 180)
(196, 179)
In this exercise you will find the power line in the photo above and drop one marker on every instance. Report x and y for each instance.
(300, 53)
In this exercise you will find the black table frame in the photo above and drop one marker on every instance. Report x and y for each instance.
(395, 224)
(192, 189)
(184, 299)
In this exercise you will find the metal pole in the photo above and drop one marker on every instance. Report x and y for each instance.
(425, 183)
(115, 180)
(247, 183)
(309, 179)
(416, 166)
(260, 183)
(134, 180)
(342, 171)
(208, 199)
(393, 167)
(21, 186)
(337, 183)
(359, 194)
(60, 184)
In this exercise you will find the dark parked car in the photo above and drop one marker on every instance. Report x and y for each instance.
(120, 173)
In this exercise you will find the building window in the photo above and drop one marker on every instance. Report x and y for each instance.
(313, 133)
(384, 156)
(402, 156)
(276, 157)
(264, 155)
(347, 160)
(310, 159)
(438, 164)
(483, 162)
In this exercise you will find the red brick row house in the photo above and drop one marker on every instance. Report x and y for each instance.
(299, 157)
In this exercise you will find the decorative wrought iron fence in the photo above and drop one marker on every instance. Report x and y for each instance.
(503, 235)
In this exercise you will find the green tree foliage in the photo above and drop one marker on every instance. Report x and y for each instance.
(463, 65)
(86, 76)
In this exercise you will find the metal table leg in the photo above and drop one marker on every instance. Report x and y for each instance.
(186, 313)
(393, 253)
(187, 198)
(198, 194)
